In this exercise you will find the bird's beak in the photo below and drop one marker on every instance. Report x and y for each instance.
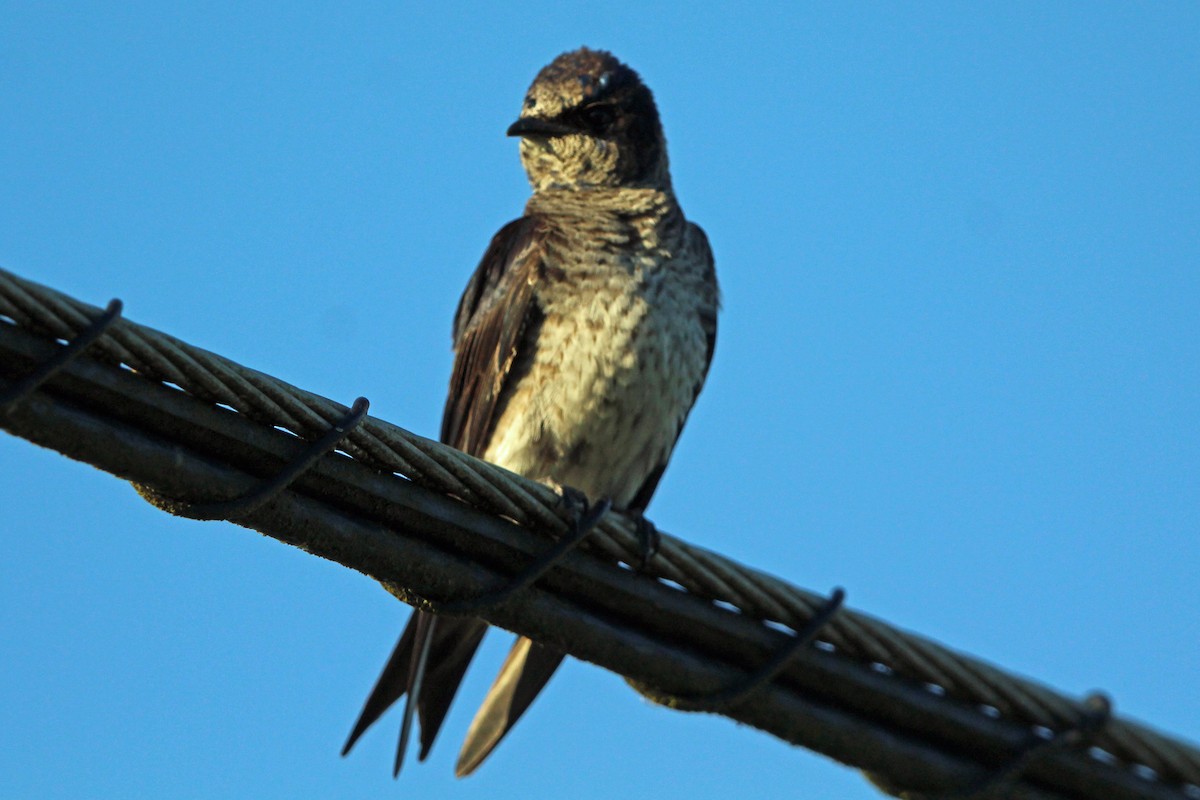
(532, 126)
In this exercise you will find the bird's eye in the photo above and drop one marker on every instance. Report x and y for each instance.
(599, 116)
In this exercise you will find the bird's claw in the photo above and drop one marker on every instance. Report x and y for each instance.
(649, 540)
(582, 515)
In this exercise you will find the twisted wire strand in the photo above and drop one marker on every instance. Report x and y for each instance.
(386, 447)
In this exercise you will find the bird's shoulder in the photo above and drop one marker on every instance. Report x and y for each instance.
(696, 242)
(511, 258)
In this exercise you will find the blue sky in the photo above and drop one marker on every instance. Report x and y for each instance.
(956, 374)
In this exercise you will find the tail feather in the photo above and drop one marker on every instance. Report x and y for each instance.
(425, 624)
(527, 669)
(448, 662)
(452, 645)
(388, 688)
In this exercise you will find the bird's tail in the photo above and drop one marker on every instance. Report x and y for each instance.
(527, 669)
(449, 645)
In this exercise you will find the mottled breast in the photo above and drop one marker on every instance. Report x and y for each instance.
(622, 349)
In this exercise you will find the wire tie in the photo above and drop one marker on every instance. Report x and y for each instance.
(47, 369)
(743, 687)
(257, 497)
(1096, 714)
(530, 574)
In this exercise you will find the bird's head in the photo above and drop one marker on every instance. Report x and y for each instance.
(589, 121)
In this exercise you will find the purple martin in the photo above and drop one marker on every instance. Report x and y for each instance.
(580, 343)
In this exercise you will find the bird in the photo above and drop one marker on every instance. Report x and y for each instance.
(580, 344)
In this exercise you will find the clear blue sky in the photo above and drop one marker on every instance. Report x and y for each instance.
(957, 370)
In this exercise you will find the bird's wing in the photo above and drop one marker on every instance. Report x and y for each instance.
(708, 323)
(496, 314)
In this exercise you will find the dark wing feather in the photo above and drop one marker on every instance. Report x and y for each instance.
(497, 313)
(494, 316)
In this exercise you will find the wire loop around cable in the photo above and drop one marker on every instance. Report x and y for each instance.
(743, 687)
(586, 523)
(256, 498)
(1097, 712)
(63, 356)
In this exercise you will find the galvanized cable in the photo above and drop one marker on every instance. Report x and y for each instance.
(759, 596)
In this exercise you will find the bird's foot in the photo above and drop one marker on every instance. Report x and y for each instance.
(582, 515)
(649, 539)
